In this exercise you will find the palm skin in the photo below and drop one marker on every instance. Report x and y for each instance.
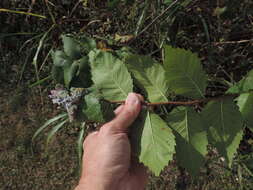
(107, 162)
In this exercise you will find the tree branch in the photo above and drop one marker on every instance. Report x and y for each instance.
(183, 103)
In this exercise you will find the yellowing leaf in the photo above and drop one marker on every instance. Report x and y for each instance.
(102, 46)
(85, 3)
(123, 38)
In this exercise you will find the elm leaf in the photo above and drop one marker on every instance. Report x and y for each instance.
(245, 103)
(153, 142)
(184, 72)
(150, 76)
(225, 127)
(191, 138)
(244, 85)
(97, 110)
(92, 108)
(110, 75)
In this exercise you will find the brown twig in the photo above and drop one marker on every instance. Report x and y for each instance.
(233, 42)
(182, 103)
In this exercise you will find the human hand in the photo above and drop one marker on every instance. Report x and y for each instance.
(107, 163)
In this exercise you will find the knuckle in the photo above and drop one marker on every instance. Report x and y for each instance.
(122, 136)
(89, 138)
(129, 113)
(106, 128)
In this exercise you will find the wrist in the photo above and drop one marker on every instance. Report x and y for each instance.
(94, 184)
(89, 186)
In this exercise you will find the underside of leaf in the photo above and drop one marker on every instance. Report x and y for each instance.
(191, 138)
(225, 127)
(153, 142)
(245, 103)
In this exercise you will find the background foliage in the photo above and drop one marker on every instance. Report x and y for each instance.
(219, 31)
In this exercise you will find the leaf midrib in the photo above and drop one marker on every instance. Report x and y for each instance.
(187, 128)
(188, 138)
(155, 86)
(163, 95)
(118, 85)
(193, 82)
(112, 76)
(196, 86)
(152, 132)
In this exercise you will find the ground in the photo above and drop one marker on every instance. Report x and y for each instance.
(24, 167)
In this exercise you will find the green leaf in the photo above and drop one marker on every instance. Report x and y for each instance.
(244, 85)
(77, 74)
(71, 47)
(57, 74)
(92, 108)
(124, 52)
(225, 127)
(108, 111)
(191, 138)
(87, 44)
(184, 72)
(60, 58)
(60, 69)
(47, 123)
(167, 2)
(69, 71)
(150, 75)
(245, 103)
(81, 76)
(97, 110)
(110, 75)
(54, 130)
(153, 141)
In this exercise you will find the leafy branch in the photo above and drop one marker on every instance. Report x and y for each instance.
(94, 79)
(182, 103)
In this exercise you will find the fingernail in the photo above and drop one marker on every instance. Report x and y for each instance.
(132, 99)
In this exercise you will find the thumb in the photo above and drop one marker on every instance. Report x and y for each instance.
(127, 114)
